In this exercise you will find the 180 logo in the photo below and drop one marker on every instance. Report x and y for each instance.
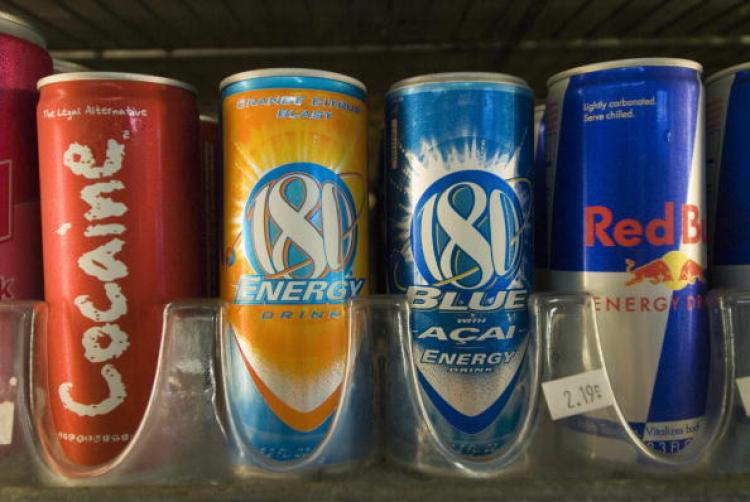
(466, 231)
(300, 223)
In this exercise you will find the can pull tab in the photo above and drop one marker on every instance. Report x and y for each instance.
(572, 348)
(435, 452)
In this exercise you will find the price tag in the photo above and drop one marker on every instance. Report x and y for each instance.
(577, 394)
(7, 414)
(743, 387)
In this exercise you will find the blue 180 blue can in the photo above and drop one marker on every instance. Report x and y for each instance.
(459, 245)
(728, 164)
(627, 225)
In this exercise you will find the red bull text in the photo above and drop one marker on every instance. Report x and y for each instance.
(627, 224)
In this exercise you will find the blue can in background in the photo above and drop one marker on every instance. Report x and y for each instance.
(459, 218)
(541, 250)
(728, 164)
(627, 225)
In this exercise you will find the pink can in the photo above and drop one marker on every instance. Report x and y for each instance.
(23, 61)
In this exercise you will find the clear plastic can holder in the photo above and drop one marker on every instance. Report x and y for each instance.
(412, 438)
(185, 435)
(730, 312)
(179, 438)
(602, 440)
(350, 439)
(29, 451)
(18, 462)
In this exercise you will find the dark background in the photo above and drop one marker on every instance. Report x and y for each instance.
(381, 41)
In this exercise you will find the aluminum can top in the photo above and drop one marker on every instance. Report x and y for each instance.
(459, 78)
(727, 71)
(291, 72)
(103, 75)
(20, 28)
(625, 63)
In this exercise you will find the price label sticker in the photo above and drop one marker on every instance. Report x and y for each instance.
(7, 414)
(743, 388)
(577, 394)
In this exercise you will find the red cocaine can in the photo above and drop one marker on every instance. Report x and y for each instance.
(23, 61)
(120, 227)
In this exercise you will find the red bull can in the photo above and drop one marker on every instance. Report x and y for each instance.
(627, 225)
(728, 163)
(23, 61)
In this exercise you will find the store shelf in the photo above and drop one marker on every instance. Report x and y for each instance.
(380, 42)
(389, 484)
(383, 41)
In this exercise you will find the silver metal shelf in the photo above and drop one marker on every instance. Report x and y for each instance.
(390, 484)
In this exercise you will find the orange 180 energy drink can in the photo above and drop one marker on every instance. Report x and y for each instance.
(625, 140)
(119, 182)
(296, 240)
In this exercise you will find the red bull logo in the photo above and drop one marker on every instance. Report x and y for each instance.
(655, 271)
(675, 270)
(691, 272)
(601, 229)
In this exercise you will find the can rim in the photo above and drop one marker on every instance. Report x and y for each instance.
(625, 63)
(290, 72)
(459, 77)
(207, 118)
(19, 27)
(66, 66)
(106, 75)
(731, 70)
